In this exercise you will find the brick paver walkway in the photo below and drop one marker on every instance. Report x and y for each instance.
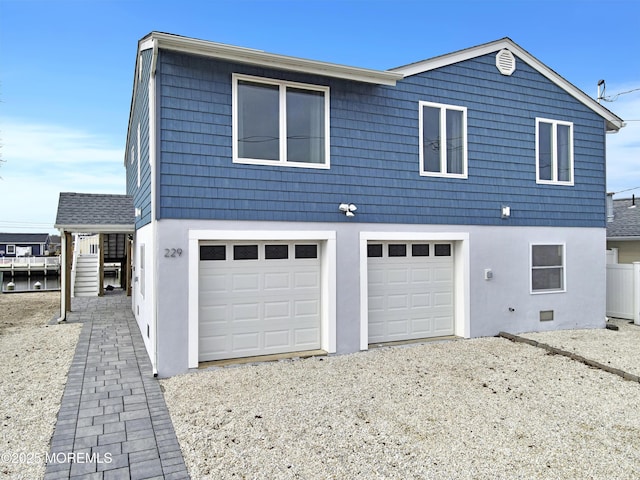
(113, 421)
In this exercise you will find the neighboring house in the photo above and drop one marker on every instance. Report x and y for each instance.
(290, 205)
(623, 230)
(54, 245)
(24, 244)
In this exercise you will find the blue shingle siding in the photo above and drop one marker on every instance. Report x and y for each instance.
(374, 150)
(140, 115)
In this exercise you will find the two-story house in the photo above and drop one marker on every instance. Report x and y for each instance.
(291, 205)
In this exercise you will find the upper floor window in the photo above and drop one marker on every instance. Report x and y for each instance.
(443, 140)
(282, 123)
(554, 152)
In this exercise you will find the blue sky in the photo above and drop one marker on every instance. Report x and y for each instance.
(66, 70)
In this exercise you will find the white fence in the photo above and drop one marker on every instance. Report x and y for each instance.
(623, 291)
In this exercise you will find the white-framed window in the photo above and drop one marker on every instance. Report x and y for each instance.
(554, 152)
(11, 249)
(280, 123)
(548, 268)
(443, 140)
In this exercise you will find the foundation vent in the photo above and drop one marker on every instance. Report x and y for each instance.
(546, 315)
(505, 62)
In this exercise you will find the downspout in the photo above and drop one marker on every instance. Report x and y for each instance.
(153, 170)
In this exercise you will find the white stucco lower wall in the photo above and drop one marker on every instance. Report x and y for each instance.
(483, 307)
(143, 291)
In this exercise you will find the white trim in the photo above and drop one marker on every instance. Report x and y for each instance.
(443, 139)
(282, 119)
(258, 57)
(614, 123)
(328, 272)
(11, 250)
(460, 252)
(151, 147)
(554, 152)
(138, 156)
(564, 268)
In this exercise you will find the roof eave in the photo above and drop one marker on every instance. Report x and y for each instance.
(629, 238)
(96, 228)
(261, 58)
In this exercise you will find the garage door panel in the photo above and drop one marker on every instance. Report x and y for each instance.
(407, 293)
(398, 327)
(245, 311)
(395, 302)
(214, 283)
(443, 274)
(212, 344)
(376, 304)
(243, 342)
(397, 276)
(422, 327)
(305, 308)
(277, 339)
(245, 282)
(420, 300)
(376, 276)
(420, 275)
(277, 310)
(443, 299)
(277, 281)
(259, 307)
(442, 324)
(307, 336)
(306, 279)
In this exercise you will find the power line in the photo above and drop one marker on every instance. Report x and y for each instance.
(615, 97)
(627, 190)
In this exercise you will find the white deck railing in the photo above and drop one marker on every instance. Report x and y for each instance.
(26, 262)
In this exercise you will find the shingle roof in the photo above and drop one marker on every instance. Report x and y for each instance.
(23, 237)
(626, 221)
(91, 210)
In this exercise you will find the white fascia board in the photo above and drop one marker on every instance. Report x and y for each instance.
(630, 238)
(614, 123)
(96, 228)
(264, 59)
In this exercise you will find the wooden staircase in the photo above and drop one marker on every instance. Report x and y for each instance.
(87, 275)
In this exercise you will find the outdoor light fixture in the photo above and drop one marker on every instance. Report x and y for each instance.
(348, 209)
(506, 211)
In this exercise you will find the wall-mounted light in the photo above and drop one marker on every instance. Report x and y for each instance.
(348, 209)
(138, 212)
(505, 211)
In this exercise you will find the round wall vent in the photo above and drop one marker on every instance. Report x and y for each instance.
(505, 62)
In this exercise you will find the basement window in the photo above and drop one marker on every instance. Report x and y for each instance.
(547, 268)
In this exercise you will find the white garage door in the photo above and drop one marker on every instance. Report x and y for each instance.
(258, 298)
(410, 290)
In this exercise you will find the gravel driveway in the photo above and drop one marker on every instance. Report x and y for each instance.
(466, 409)
(34, 361)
